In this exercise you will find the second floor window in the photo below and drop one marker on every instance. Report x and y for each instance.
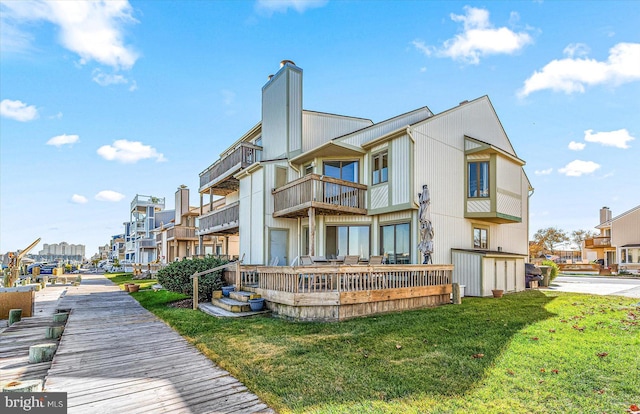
(380, 168)
(344, 170)
(478, 179)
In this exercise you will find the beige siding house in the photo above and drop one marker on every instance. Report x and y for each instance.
(618, 244)
(306, 183)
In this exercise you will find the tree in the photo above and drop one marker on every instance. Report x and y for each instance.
(578, 236)
(546, 239)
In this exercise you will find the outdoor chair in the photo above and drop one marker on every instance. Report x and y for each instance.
(306, 261)
(351, 260)
(375, 260)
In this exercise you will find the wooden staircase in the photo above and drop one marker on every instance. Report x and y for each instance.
(236, 305)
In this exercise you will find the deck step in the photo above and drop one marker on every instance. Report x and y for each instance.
(243, 296)
(231, 305)
(213, 310)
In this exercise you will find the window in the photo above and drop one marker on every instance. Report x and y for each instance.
(478, 179)
(630, 255)
(308, 169)
(480, 238)
(380, 168)
(347, 240)
(258, 142)
(394, 243)
(344, 170)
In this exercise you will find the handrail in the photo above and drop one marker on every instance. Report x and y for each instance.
(194, 277)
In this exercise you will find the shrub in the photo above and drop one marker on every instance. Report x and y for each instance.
(554, 268)
(177, 276)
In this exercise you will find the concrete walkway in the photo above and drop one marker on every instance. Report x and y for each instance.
(115, 356)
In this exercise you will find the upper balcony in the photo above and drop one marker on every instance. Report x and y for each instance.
(140, 202)
(218, 178)
(146, 243)
(329, 196)
(596, 242)
(181, 233)
(221, 221)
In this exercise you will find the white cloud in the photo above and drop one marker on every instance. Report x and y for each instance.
(106, 79)
(92, 29)
(479, 38)
(129, 152)
(576, 49)
(108, 195)
(18, 110)
(577, 168)
(268, 7)
(63, 139)
(56, 116)
(543, 172)
(571, 74)
(577, 146)
(78, 199)
(616, 139)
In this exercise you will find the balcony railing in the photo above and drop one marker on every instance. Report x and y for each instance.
(221, 221)
(182, 233)
(146, 243)
(327, 195)
(596, 242)
(141, 201)
(219, 176)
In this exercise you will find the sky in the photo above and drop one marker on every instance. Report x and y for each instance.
(103, 100)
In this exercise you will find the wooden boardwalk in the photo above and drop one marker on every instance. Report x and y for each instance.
(117, 357)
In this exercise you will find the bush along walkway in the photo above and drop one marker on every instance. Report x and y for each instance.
(115, 356)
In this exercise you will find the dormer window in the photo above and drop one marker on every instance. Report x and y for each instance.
(478, 179)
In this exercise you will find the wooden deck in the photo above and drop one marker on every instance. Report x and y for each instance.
(115, 356)
(16, 339)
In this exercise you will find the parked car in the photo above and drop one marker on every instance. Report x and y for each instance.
(531, 274)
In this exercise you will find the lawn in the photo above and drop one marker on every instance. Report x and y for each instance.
(121, 279)
(535, 351)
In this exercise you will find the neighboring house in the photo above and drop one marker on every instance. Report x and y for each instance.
(310, 183)
(140, 245)
(175, 233)
(117, 247)
(619, 241)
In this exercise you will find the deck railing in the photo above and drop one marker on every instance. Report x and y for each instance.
(320, 279)
(222, 219)
(597, 242)
(325, 193)
(242, 156)
(182, 233)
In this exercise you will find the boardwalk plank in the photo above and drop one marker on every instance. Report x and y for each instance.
(115, 356)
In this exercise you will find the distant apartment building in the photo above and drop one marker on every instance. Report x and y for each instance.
(61, 251)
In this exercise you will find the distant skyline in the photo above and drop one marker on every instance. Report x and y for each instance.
(103, 100)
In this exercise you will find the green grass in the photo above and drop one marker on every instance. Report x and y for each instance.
(422, 361)
(121, 279)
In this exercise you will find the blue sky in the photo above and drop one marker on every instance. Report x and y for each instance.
(105, 100)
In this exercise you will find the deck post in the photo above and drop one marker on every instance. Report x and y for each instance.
(238, 277)
(195, 292)
(312, 231)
